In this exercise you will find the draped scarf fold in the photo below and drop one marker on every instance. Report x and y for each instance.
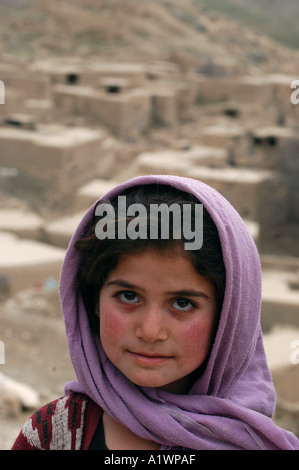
(231, 404)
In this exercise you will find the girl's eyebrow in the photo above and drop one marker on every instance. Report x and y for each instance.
(182, 293)
(189, 293)
(121, 283)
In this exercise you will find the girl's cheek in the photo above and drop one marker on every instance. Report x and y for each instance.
(196, 337)
(111, 325)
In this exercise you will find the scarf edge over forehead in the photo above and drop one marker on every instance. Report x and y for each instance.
(231, 405)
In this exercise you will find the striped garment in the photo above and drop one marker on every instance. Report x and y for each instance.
(67, 423)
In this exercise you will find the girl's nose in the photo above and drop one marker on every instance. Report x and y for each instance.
(151, 326)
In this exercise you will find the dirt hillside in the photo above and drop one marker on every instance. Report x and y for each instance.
(162, 30)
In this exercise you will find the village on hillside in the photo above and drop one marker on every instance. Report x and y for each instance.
(72, 128)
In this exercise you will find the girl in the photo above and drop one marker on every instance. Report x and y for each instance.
(165, 341)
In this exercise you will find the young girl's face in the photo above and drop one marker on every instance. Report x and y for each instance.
(157, 316)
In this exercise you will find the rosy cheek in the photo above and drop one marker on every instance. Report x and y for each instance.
(196, 337)
(111, 325)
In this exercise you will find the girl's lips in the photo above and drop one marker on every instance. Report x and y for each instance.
(147, 358)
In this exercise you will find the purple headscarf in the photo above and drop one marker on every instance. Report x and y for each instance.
(231, 404)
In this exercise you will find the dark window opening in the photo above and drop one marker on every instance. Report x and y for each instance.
(22, 123)
(271, 141)
(230, 112)
(113, 89)
(72, 78)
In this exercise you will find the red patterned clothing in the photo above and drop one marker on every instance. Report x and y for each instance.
(68, 423)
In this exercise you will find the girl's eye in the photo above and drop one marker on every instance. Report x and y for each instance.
(183, 305)
(128, 297)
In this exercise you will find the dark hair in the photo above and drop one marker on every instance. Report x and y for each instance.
(99, 257)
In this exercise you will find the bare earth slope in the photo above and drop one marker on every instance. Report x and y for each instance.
(134, 29)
